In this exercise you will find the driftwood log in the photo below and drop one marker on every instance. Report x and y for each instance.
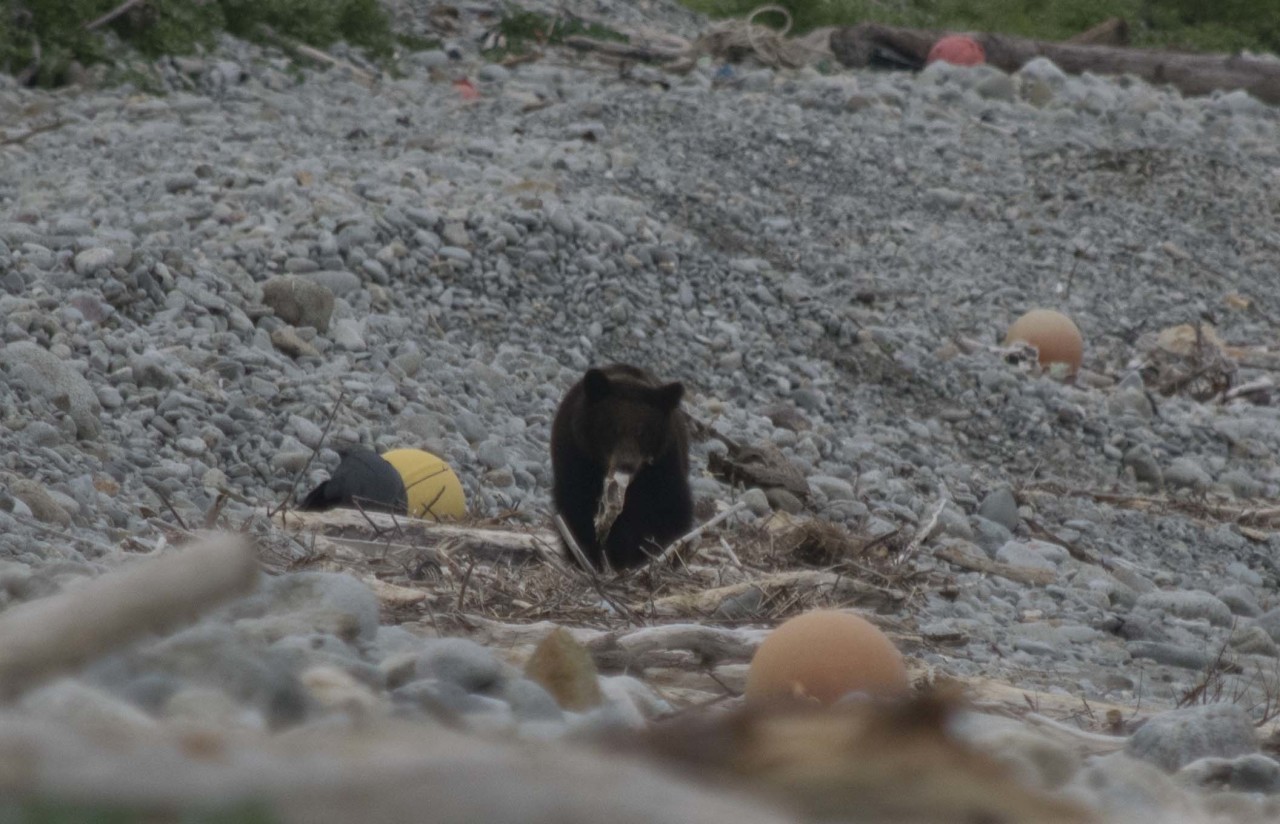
(1192, 74)
(340, 523)
(45, 637)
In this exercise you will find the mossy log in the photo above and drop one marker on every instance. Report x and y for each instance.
(1192, 74)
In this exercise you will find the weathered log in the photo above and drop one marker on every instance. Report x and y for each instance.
(339, 521)
(1192, 74)
(1023, 575)
(45, 637)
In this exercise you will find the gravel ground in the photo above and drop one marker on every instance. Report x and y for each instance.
(190, 282)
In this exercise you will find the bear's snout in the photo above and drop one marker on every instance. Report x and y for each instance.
(629, 462)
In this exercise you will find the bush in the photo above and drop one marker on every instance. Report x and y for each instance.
(53, 30)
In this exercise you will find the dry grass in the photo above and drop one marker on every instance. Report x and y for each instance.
(1224, 681)
(731, 575)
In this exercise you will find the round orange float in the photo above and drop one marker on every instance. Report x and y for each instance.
(959, 50)
(1054, 335)
(823, 655)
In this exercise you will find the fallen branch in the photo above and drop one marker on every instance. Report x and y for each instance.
(1039, 530)
(324, 57)
(572, 543)
(394, 595)
(590, 571)
(503, 634)
(859, 592)
(730, 40)
(1023, 575)
(696, 533)
(42, 638)
(1261, 385)
(620, 648)
(303, 50)
(1261, 516)
(1091, 743)
(711, 644)
(338, 520)
(1192, 74)
(113, 14)
(32, 132)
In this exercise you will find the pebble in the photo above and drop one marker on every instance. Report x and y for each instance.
(1191, 605)
(92, 260)
(1187, 473)
(40, 503)
(1025, 554)
(1173, 739)
(299, 301)
(1254, 773)
(87, 709)
(1174, 655)
(463, 663)
(1000, 507)
(46, 375)
(332, 603)
(1240, 600)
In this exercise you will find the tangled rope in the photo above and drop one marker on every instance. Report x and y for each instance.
(735, 39)
(730, 40)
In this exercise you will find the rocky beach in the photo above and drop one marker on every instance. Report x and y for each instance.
(210, 289)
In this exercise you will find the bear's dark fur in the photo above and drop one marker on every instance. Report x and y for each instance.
(620, 417)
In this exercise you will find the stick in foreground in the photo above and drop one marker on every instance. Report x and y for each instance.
(42, 638)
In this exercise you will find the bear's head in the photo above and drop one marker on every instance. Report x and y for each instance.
(628, 420)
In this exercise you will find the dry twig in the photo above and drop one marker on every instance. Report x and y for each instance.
(32, 132)
(113, 14)
(293, 488)
(1023, 575)
(926, 529)
(696, 533)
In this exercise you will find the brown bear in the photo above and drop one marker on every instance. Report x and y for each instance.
(619, 418)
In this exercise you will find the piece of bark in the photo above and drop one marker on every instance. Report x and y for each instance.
(1192, 74)
(566, 670)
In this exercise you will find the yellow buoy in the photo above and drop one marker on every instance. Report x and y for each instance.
(432, 489)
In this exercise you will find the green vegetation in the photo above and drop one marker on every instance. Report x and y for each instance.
(40, 40)
(521, 31)
(1201, 25)
(44, 37)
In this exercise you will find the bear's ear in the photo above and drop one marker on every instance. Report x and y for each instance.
(669, 395)
(596, 383)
